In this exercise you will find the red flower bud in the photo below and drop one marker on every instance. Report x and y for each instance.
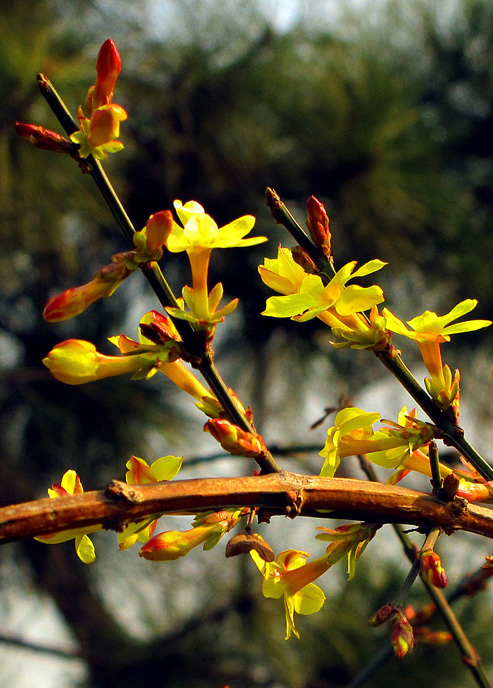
(317, 222)
(75, 300)
(381, 615)
(108, 67)
(44, 138)
(235, 440)
(402, 636)
(432, 569)
(158, 228)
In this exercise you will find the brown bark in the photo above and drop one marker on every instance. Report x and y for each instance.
(275, 494)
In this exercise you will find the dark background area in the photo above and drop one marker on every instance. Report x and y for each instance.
(384, 112)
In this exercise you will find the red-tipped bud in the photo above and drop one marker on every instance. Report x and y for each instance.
(402, 636)
(432, 569)
(108, 67)
(235, 440)
(74, 301)
(317, 222)
(44, 138)
(381, 615)
(158, 228)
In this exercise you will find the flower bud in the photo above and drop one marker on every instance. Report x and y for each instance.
(402, 636)
(108, 67)
(432, 569)
(317, 222)
(105, 124)
(426, 637)
(76, 362)
(235, 440)
(208, 529)
(158, 228)
(381, 615)
(75, 300)
(44, 138)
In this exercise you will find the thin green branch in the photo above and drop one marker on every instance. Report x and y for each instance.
(391, 358)
(436, 476)
(442, 603)
(282, 216)
(201, 356)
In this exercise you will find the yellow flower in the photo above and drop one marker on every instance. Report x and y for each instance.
(199, 231)
(76, 362)
(353, 434)
(198, 234)
(290, 577)
(71, 485)
(429, 330)
(339, 306)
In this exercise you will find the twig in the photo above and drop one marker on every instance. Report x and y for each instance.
(201, 356)
(391, 358)
(442, 603)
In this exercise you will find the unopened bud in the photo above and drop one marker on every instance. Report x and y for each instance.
(108, 67)
(75, 300)
(432, 569)
(44, 138)
(105, 124)
(235, 440)
(317, 222)
(381, 615)
(157, 230)
(424, 636)
(402, 636)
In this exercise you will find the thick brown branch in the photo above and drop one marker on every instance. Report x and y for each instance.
(276, 494)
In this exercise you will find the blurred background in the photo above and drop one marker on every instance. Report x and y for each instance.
(383, 110)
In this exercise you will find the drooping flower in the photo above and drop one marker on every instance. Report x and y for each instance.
(140, 473)
(208, 529)
(71, 485)
(353, 434)
(198, 234)
(347, 541)
(290, 577)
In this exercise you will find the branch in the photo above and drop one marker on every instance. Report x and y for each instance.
(285, 494)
